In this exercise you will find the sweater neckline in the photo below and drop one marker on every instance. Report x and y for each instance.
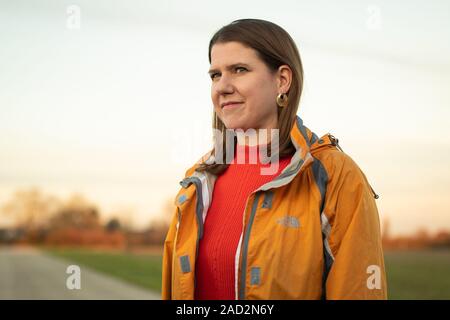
(246, 150)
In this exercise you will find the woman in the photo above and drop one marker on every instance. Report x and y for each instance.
(306, 229)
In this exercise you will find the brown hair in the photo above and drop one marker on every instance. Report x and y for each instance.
(275, 47)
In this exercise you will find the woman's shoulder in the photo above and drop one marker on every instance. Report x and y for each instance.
(342, 176)
(335, 162)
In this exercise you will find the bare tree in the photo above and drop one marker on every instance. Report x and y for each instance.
(76, 212)
(31, 209)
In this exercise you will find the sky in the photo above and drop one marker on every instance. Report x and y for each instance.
(112, 98)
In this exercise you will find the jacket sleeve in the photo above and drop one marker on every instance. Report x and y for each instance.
(168, 259)
(352, 237)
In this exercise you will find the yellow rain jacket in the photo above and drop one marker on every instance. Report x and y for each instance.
(313, 232)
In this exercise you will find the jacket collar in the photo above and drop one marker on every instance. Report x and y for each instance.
(304, 140)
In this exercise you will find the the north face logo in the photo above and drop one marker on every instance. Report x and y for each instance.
(289, 221)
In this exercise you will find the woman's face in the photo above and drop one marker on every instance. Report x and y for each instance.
(239, 75)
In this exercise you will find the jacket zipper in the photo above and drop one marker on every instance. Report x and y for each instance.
(244, 246)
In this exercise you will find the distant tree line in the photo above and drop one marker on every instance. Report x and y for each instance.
(48, 220)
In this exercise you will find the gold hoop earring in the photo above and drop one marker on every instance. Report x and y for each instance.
(282, 100)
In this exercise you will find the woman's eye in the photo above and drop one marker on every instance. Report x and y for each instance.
(237, 69)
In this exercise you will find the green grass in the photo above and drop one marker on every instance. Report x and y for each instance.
(411, 274)
(418, 275)
(140, 269)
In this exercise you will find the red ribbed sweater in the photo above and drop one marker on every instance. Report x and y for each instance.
(214, 271)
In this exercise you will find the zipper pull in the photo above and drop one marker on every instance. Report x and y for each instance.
(374, 194)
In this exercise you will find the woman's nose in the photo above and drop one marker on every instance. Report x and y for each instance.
(224, 85)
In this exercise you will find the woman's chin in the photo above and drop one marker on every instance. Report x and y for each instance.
(231, 124)
(236, 127)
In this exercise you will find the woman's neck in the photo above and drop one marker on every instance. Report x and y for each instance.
(254, 138)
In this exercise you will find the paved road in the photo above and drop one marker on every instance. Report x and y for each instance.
(26, 273)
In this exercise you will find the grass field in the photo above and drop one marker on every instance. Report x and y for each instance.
(411, 275)
(418, 275)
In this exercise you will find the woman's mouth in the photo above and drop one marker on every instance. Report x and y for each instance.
(232, 105)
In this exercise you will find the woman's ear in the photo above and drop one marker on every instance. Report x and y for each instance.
(284, 76)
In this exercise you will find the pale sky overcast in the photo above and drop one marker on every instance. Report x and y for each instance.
(119, 108)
